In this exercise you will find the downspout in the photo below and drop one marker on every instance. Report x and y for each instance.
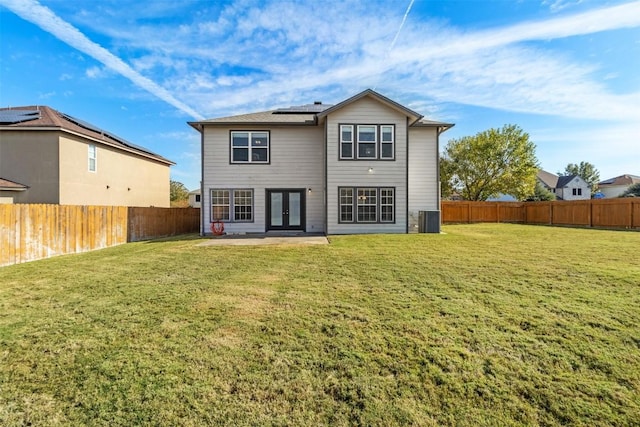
(326, 178)
(406, 181)
(202, 195)
(438, 182)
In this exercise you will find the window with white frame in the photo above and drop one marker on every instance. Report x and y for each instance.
(346, 141)
(243, 205)
(346, 205)
(220, 204)
(367, 142)
(249, 147)
(577, 191)
(387, 205)
(366, 205)
(93, 158)
(387, 141)
(232, 205)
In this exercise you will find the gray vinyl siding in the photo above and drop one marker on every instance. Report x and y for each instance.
(296, 162)
(355, 173)
(423, 173)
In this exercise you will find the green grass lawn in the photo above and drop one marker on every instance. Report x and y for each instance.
(484, 325)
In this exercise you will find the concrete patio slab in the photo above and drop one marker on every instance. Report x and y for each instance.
(258, 240)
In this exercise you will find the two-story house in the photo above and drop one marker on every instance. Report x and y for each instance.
(47, 156)
(364, 165)
(565, 187)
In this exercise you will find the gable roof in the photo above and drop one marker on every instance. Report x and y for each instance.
(41, 117)
(626, 179)
(566, 179)
(8, 185)
(383, 99)
(547, 178)
(310, 114)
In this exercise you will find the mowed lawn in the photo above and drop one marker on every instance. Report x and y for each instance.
(486, 325)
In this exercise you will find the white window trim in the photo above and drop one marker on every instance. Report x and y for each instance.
(231, 205)
(374, 142)
(392, 142)
(341, 204)
(354, 205)
(352, 142)
(249, 147)
(92, 156)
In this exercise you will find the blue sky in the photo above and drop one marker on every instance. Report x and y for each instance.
(566, 71)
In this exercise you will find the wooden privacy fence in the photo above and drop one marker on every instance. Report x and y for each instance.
(31, 232)
(621, 213)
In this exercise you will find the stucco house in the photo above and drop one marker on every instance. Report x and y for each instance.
(566, 187)
(364, 165)
(614, 187)
(57, 159)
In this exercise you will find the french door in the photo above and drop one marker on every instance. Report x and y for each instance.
(285, 209)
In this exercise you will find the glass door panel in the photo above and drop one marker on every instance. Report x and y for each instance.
(294, 209)
(285, 210)
(277, 210)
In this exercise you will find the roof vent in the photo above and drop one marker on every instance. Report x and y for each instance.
(317, 102)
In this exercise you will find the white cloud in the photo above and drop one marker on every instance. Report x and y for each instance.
(93, 72)
(245, 56)
(32, 11)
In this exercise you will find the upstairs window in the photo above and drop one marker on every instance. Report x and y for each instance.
(387, 139)
(346, 141)
(250, 147)
(367, 142)
(93, 153)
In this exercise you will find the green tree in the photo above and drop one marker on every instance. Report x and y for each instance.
(632, 191)
(446, 177)
(177, 191)
(493, 162)
(541, 194)
(586, 171)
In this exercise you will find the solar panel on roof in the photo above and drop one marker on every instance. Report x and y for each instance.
(116, 138)
(303, 109)
(82, 123)
(8, 117)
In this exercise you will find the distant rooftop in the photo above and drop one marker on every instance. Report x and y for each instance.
(34, 117)
(626, 179)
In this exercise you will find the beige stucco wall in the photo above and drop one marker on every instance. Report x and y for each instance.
(31, 158)
(120, 179)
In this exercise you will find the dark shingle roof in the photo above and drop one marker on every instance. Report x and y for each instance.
(47, 118)
(309, 114)
(564, 180)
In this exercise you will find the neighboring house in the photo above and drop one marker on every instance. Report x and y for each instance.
(614, 187)
(569, 187)
(365, 165)
(194, 198)
(58, 159)
(8, 190)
